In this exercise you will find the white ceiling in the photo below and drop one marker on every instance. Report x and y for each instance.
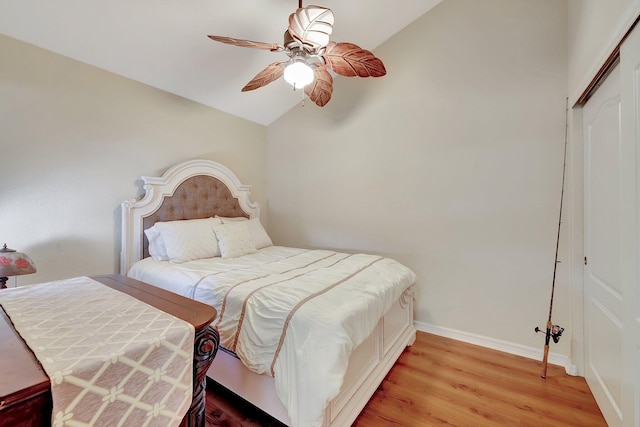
(163, 43)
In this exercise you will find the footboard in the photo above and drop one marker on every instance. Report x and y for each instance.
(368, 365)
(371, 361)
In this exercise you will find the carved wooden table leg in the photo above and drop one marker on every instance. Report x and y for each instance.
(205, 349)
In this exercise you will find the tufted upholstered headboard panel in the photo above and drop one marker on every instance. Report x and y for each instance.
(200, 196)
(190, 190)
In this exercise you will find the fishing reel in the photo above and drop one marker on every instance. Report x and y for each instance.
(556, 332)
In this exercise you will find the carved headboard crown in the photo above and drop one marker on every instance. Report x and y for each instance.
(189, 190)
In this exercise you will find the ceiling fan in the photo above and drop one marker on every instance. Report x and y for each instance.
(311, 55)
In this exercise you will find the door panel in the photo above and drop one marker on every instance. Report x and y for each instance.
(604, 292)
(611, 120)
(605, 356)
(603, 227)
(630, 254)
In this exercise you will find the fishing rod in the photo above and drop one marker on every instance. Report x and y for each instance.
(555, 331)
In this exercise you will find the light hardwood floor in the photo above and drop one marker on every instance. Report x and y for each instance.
(439, 381)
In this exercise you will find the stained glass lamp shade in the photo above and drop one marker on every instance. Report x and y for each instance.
(13, 263)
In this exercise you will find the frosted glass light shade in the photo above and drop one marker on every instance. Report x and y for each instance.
(298, 74)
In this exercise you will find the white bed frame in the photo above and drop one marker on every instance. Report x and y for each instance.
(370, 361)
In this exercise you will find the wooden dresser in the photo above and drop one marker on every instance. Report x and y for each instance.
(25, 396)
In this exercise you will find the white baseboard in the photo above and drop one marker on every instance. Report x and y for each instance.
(504, 346)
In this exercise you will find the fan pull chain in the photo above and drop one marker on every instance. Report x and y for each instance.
(303, 94)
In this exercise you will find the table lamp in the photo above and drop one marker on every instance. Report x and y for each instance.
(13, 263)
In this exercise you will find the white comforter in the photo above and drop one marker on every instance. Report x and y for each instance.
(290, 313)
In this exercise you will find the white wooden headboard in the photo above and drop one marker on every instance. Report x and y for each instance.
(197, 196)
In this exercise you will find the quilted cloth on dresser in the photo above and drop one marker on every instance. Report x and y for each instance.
(112, 359)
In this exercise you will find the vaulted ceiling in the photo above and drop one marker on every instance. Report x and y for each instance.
(164, 43)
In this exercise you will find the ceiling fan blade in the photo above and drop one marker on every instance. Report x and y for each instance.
(247, 43)
(271, 73)
(348, 59)
(321, 89)
(311, 26)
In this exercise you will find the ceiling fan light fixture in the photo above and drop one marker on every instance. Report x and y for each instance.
(298, 73)
(311, 56)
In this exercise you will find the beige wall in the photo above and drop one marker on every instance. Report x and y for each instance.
(74, 141)
(451, 164)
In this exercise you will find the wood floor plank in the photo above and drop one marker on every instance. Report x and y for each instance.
(439, 381)
(485, 387)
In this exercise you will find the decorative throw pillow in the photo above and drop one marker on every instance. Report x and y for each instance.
(190, 239)
(234, 239)
(157, 249)
(259, 235)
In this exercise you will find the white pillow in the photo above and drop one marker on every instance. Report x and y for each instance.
(157, 249)
(189, 239)
(260, 237)
(226, 219)
(234, 239)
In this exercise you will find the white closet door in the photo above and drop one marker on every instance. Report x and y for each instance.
(611, 234)
(630, 218)
(603, 303)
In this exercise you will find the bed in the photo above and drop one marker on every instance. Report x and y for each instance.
(276, 344)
